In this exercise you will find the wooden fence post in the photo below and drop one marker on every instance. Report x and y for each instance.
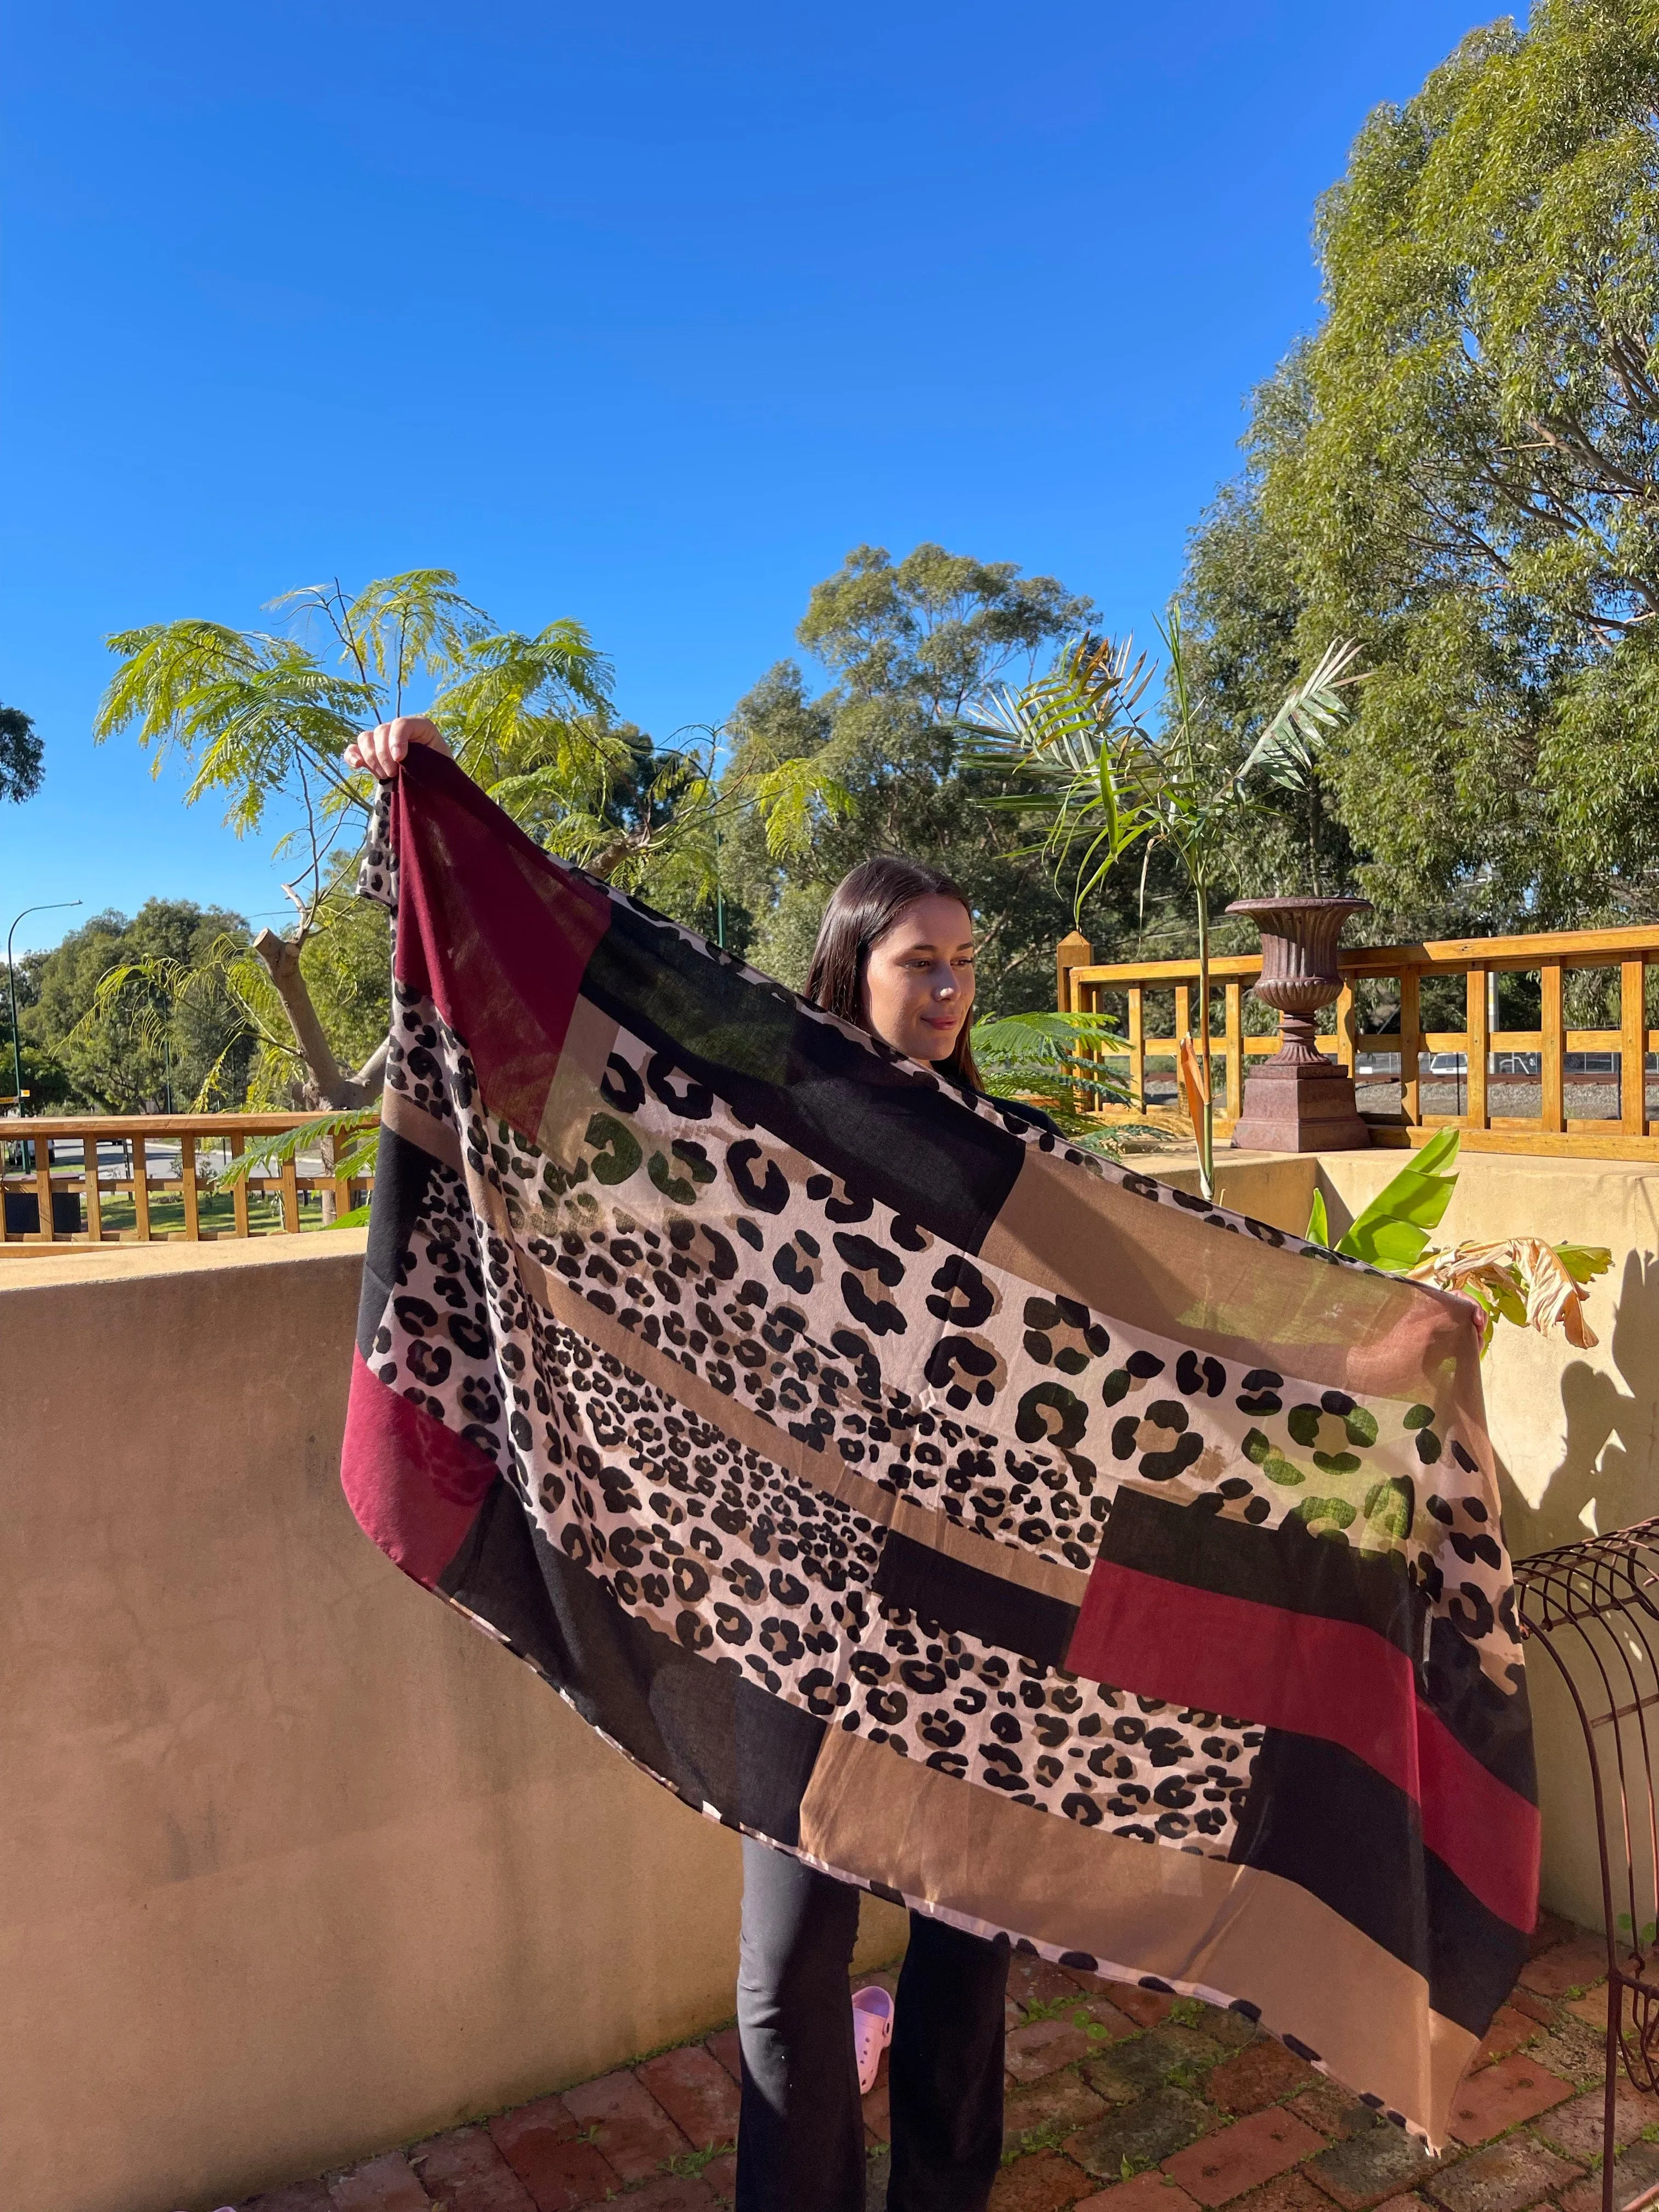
(141, 1190)
(94, 1195)
(1347, 1054)
(1554, 1056)
(1411, 1048)
(238, 1191)
(1073, 952)
(1633, 1048)
(1477, 1046)
(187, 1190)
(43, 1188)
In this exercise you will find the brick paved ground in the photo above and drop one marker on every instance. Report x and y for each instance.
(1118, 2100)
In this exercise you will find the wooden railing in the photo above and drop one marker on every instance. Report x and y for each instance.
(1123, 989)
(165, 1177)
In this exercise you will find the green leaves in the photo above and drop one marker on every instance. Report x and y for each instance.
(354, 1136)
(1583, 1262)
(1459, 469)
(1286, 754)
(1056, 1059)
(511, 704)
(793, 800)
(1393, 1231)
(252, 714)
(1521, 1279)
(1085, 768)
(20, 754)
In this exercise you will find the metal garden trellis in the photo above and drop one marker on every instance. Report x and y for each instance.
(1591, 1606)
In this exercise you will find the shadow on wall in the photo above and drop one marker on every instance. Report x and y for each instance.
(1605, 1477)
(1574, 1434)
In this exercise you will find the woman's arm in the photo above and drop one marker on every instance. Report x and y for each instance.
(379, 749)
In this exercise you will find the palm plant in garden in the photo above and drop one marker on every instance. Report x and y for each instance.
(1525, 1280)
(1056, 1059)
(1089, 772)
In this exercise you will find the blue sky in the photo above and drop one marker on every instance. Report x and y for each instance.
(642, 314)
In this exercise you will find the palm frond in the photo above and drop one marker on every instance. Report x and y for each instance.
(358, 1130)
(1056, 1055)
(1287, 752)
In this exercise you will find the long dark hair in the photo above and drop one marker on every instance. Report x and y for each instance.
(866, 904)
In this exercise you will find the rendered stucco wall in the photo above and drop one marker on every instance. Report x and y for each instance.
(293, 1864)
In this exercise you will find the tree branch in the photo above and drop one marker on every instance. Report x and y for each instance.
(334, 1088)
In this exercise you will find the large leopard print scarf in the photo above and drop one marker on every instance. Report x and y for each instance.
(1003, 1531)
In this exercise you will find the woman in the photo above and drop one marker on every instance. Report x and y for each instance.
(895, 955)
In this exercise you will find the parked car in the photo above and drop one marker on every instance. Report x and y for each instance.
(1529, 1066)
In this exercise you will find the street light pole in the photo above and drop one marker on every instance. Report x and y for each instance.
(51, 907)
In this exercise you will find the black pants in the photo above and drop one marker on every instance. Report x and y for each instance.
(800, 2148)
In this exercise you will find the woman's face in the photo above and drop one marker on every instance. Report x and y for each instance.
(919, 978)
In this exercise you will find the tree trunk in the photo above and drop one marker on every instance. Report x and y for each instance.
(334, 1089)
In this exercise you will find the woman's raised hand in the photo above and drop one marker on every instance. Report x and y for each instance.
(379, 749)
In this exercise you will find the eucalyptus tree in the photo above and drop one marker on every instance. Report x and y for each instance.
(21, 755)
(1459, 468)
(135, 1013)
(904, 645)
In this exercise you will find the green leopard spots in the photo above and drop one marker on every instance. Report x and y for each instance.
(1303, 1422)
(682, 1189)
(1418, 1417)
(1390, 1508)
(617, 1149)
(1261, 1452)
(1324, 1517)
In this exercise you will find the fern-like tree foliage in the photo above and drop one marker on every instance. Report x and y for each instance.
(261, 721)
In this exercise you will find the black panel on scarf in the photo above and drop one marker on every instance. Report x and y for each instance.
(1289, 1568)
(1324, 1820)
(402, 1173)
(901, 1139)
(958, 1596)
(716, 1739)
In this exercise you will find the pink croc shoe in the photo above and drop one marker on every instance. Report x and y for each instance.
(873, 2031)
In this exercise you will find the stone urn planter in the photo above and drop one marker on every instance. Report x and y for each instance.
(1299, 1100)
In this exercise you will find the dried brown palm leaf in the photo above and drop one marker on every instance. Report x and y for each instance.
(1519, 1279)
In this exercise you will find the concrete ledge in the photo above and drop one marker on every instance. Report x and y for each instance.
(29, 1265)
